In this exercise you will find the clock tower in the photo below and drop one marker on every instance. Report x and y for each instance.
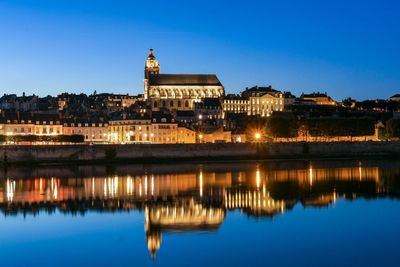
(151, 67)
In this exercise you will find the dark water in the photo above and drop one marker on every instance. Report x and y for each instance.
(295, 213)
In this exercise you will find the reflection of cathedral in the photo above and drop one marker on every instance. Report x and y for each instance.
(177, 91)
(178, 217)
(195, 200)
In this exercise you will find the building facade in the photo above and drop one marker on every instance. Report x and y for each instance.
(92, 132)
(177, 91)
(261, 101)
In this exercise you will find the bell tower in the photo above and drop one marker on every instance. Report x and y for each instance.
(151, 67)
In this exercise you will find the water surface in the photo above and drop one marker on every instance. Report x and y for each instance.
(321, 213)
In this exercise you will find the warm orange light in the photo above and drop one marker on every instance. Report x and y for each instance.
(257, 136)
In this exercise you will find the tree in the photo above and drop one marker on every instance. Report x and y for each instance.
(331, 127)
(393, 128)
(282, 127)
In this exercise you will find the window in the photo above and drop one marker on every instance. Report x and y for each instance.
(171, 104)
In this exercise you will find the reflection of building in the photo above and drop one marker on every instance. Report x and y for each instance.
(255, 202)
(195, 199)
(189, 216)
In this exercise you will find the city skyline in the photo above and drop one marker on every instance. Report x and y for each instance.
(87, 47)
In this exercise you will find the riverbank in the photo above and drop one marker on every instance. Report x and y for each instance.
(135, 153)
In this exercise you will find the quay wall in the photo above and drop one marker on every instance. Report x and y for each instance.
(20, 154)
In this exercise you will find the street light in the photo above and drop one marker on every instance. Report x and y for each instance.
(257, 136)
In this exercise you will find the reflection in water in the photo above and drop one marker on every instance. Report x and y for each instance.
(197, 199)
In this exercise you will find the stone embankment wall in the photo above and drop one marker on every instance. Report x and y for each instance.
(120, 153)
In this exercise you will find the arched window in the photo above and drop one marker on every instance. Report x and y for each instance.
(179, 104)
(171, 104)
(163, 103)
(186, 104)
(155, 104)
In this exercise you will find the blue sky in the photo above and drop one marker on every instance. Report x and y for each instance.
(345, 48)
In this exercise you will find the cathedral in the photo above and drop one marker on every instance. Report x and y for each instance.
(177, 91)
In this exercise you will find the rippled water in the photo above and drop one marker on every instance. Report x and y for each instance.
(321, 213)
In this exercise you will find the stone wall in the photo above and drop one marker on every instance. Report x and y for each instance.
(120, 153)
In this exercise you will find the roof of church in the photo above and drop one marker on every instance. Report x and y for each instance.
(184, 79)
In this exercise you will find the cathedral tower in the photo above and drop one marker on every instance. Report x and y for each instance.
(151, 67)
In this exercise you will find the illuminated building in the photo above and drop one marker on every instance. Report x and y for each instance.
(186, 136)
(164, 130)
(177, 91)
(139, 129)
(318, 98)
(209, 108)
(92, 132)
(127, 130)
(214, 135)
(257, 100)
(236, 104)
(26, 124)
(120, 102)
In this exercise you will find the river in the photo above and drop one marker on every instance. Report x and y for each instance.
(243, 213)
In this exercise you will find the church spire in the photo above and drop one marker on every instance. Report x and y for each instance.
(152, 66)
(151, 53)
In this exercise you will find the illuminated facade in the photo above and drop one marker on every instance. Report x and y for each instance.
(130, 131)
(262, 101)
(319, 99)
(218, 135)
(40, 125)
(146, 131)
(164, 131)
(120, 102)
(92, 132)
(177, 91)
(186, 136)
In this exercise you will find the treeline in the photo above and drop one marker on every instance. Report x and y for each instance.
(392, 129)
(330, 127)
(76, 138)
(291, 127)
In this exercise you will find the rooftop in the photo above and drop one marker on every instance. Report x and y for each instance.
(184, 79)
